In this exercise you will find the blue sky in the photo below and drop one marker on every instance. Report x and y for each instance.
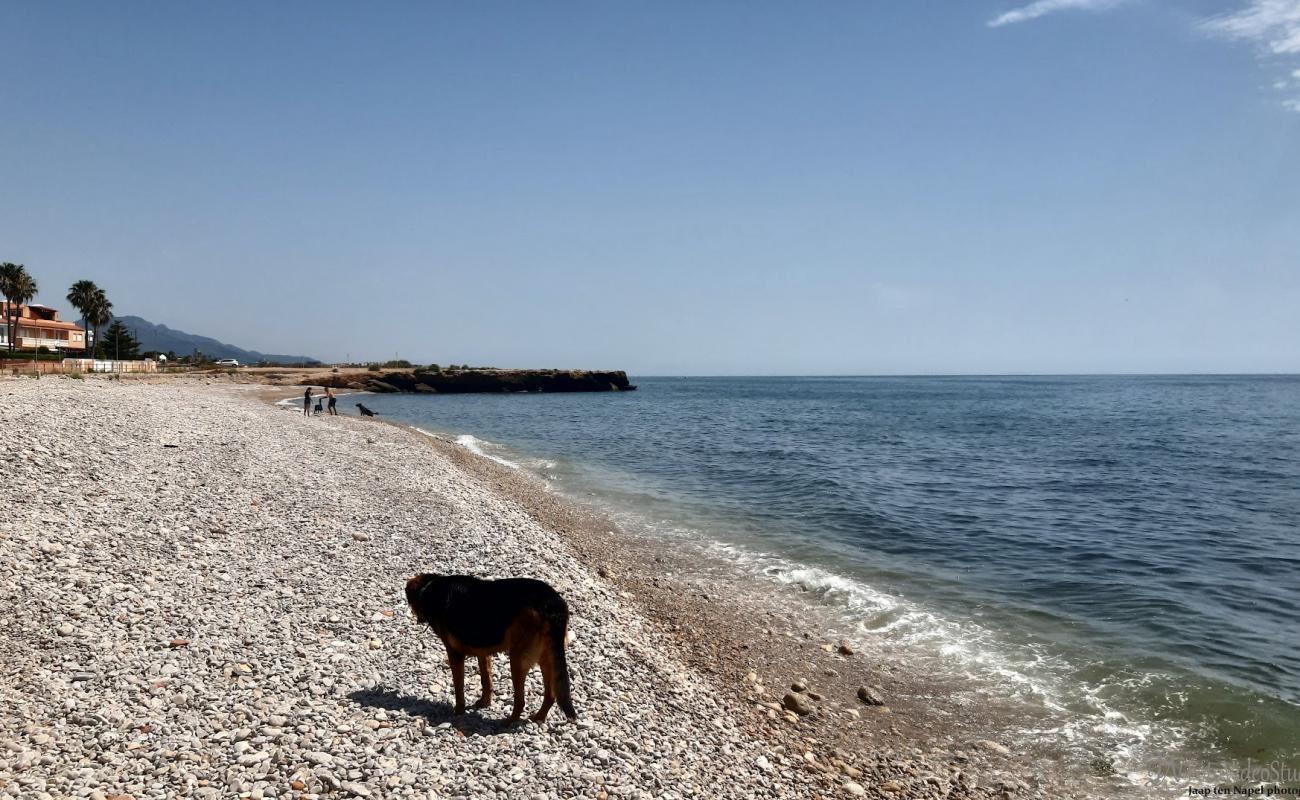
(673, 188)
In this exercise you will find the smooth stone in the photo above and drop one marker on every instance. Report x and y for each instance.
(797, 703)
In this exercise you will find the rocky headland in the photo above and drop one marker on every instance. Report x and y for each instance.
(467, 381)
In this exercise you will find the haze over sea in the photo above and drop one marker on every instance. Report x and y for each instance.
(1122, 551)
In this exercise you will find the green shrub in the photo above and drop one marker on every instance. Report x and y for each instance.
(42, 354)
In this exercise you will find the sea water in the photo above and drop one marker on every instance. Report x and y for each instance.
(1122, 551)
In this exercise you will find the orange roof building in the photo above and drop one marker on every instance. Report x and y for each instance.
(40, 326)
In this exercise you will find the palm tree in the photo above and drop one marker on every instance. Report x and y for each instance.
(24, 292)
(8, 282)
(99, 314)
(81, 296)
(19, 288)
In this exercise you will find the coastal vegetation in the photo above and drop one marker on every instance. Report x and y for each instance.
(95, 307)
(118, 344)
(18, 288)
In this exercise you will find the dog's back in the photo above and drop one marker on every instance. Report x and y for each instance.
(523, 617)
(478, 612)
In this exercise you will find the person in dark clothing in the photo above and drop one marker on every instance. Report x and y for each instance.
(306, 402)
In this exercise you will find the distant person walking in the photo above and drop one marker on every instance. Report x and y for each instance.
(306, 402)
(329, 394)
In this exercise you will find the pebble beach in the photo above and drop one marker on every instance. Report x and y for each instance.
(203, 597)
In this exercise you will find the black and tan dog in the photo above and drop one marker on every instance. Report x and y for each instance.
(523, 617)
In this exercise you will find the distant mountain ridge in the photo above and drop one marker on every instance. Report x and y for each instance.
(153, 336)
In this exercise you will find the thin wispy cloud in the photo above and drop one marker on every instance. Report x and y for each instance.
(1272, 25)
(1041, 8)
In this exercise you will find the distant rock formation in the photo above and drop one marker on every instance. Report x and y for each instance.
(466, 381)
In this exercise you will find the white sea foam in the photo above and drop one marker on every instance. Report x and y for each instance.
(971, 651)
(895, 627)
(484, 448)
(478, 446)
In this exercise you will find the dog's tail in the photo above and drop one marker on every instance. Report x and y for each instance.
(557, 618)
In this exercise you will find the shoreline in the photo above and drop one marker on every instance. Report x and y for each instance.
(752, 641)
(753, 656)
(211, 594)
(273, 549)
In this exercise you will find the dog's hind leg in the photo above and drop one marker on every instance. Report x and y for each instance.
(485, 677)
(548, 684)
(519, 666)
(457, 662)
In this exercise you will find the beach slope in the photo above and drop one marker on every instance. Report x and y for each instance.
(204, 597)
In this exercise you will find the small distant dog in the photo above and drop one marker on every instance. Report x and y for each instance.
(523, 617)
(365, 412)
(318, 408)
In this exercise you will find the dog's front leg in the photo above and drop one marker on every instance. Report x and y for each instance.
(457, 662)
(485, 676)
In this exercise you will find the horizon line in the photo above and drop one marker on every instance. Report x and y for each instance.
(980, 375)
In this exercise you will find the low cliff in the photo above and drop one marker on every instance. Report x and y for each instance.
(467, 381)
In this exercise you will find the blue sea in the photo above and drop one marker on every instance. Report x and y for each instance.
(1122, 551)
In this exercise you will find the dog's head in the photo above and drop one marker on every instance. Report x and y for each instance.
(415, 588)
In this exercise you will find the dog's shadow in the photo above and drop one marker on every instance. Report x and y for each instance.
(435, 712)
